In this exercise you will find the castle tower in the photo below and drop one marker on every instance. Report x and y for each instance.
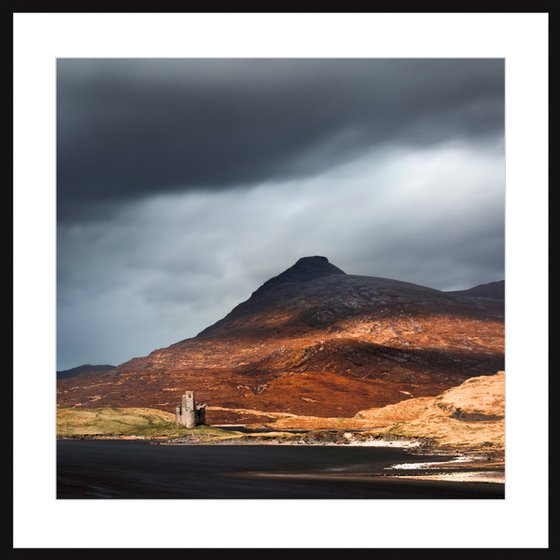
(188, 414)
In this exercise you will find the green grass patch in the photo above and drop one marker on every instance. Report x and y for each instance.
(139, 422)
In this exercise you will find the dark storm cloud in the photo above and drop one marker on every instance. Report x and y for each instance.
(128, 129)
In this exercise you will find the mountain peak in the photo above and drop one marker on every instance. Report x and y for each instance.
(304, 270)
(315, 261)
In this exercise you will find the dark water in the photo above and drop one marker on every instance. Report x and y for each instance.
(135, 469)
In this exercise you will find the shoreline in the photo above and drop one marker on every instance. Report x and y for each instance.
(305, 438)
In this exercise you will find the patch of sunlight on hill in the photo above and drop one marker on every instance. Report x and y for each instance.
(139, 422)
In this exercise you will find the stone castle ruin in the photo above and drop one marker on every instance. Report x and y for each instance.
(190, 413)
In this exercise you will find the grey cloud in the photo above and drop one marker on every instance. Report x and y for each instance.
(130, 129)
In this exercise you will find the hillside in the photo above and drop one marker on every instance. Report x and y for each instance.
(470, 415)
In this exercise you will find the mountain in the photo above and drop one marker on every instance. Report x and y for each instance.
(313, 341)
(79, 370)
(493, 290)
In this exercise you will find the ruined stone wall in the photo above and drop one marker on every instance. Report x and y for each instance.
(200, 415)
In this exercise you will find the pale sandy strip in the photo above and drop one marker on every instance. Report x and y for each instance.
(475, 476)
(254, 412)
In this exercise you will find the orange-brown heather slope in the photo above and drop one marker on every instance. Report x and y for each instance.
(470, 415)
(313, 341)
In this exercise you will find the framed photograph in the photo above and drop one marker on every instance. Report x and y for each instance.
(279, 273)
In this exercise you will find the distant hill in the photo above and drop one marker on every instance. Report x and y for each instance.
(493, 290)
(86, 368)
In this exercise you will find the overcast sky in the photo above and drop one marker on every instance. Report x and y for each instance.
(184, 184)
